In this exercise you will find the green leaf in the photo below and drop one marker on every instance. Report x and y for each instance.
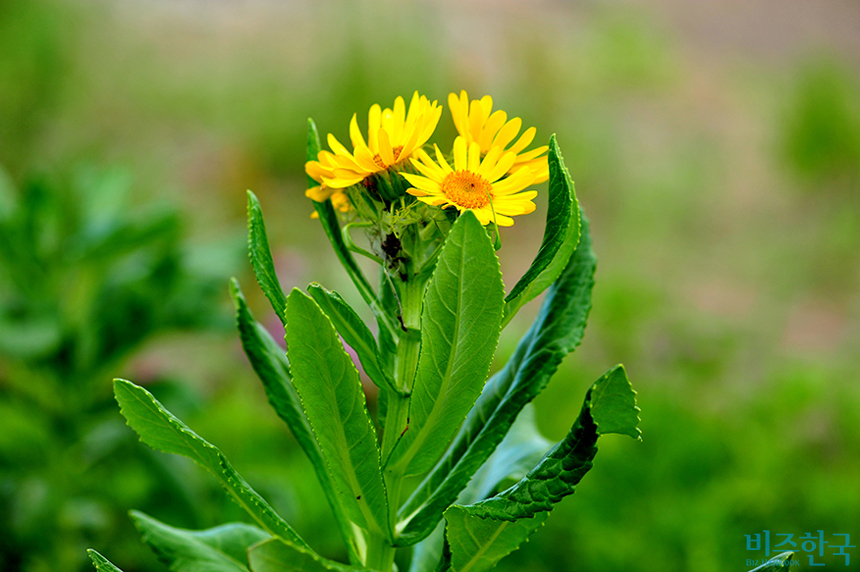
(273, 368)
(427, 554)
(780, 562)
(354, 332)
(328, 383)
(481, 534)
(561, 235)
(261, 258)
(220, 549)
(477, 544)
(459, 332)
(521, 449)
(101, 563)
(556, 331)
(161, 430)
(610, 407)
(277, 555)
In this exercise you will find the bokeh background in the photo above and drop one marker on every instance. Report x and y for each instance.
(714, 145)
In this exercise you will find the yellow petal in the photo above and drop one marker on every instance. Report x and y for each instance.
(476, 119)
(514, 183)
(460, 161)
(443, 163)
(491, 127)
(336, 146)
(365, 160)
(459, 111)
(502, 167)
(474, 157)
(385, 150)
(489, 162)
(374, 122)
(529, 155)
(422, 183)
(525, 139)
(429, 170)
(399, 116)
(319, 193)
(415, 107)
(355, 134)
(508, 132)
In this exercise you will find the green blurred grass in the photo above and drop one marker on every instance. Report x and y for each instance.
(723, 196)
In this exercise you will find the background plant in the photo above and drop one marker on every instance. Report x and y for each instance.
(85, 280)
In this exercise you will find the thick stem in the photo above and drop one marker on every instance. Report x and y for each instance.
(406, 364)
(380, 554)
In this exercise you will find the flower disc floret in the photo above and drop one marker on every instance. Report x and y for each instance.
(393, 136)
(477, 123)
(484, 186)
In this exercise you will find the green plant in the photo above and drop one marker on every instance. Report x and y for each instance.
(486, 479)
(85, 279)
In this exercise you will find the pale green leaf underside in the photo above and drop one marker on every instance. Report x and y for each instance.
(333, 399)
(101, 563)
(459, 332)
(161, 430)
(220, 549)
(477, 544)
(522, 448)
(277, 555)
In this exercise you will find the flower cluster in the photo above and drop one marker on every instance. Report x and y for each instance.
(487, 171)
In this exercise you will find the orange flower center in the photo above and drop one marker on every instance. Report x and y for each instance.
(467, 189)
(395, 151)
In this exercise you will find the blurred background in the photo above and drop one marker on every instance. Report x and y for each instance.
(715, 147)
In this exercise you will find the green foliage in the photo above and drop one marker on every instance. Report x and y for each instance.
(459, 332)
(101, 563)
(481, 534)
(273, 368)
(356, 334)
(161, 430)
(821, 133)
(334, 402)
(86, 278)
(277, 554)
(220, 549)
(610, 407)
(261, 258)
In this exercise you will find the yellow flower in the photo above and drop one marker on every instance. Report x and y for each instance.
(317, 170)
(393, 135)
(480, 186)
(476, 123)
